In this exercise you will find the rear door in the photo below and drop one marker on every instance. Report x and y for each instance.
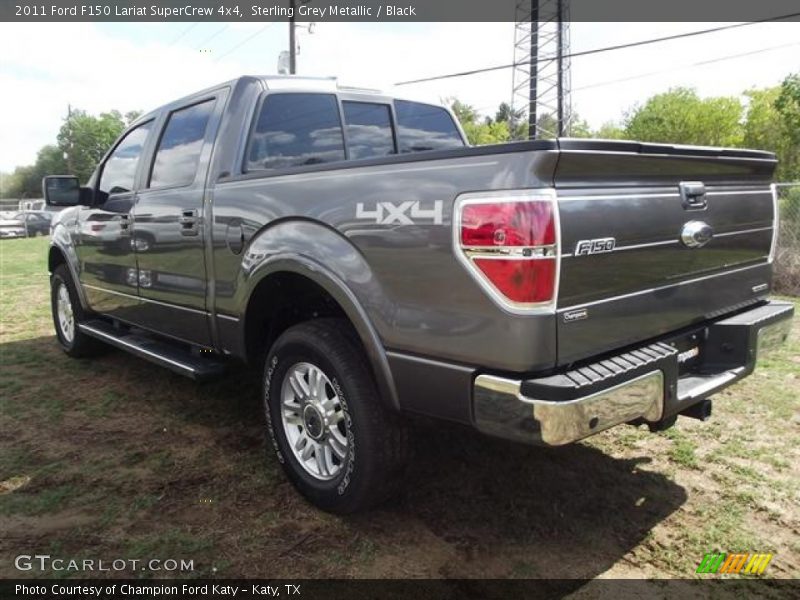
(168, 234)
(655, 238)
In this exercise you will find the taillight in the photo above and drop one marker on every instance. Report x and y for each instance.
(509, 243)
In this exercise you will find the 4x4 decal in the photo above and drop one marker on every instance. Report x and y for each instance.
(403, 213)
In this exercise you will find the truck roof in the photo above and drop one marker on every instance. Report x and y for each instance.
(327, 84)
(288, 82)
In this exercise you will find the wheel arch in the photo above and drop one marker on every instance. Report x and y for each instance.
(59, 255)
(290, 272)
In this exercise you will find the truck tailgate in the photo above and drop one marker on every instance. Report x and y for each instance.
(655, 238)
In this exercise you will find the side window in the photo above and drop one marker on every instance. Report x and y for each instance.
(424, 127)
(179, 149)
(120, 168)
(369, 129)
(294, 130)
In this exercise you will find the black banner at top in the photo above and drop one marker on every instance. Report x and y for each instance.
(397, 11)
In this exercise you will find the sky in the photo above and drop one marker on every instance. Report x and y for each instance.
(44, 67)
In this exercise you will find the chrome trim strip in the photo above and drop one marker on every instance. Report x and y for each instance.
(620, 196)
(742, 231)
(228, 318)
(143, 299)
(675, 156)
(648, 245)
(626, 196)
(776, 215)
(661, 287)
(671, 242)
(737, 192)
(133, 347)
(350, 172)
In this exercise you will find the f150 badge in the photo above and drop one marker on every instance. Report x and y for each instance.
(402, 213)
(597, 246)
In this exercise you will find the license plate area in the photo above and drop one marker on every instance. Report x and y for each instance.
(690, 347)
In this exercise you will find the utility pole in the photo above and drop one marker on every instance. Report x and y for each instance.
(69, 146)
(534, 72)
(292, 44)
(560, 62)
(541, 80)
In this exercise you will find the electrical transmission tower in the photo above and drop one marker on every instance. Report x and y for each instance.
(541, 80)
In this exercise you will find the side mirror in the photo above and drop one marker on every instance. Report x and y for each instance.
(63, 190)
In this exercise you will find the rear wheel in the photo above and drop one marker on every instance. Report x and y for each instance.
(337, 443)
(67, 314)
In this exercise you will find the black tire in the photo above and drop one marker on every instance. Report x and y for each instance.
(378, 441)
(81, 345)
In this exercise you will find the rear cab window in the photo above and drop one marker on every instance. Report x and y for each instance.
(369, 129)
(296, 129)
(423, 127)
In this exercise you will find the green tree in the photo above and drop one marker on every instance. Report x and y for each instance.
(766, 128)
(547, 126)
(14, 183)
(464, 112)
(788, 105)
(680, 116)
(84, 139)
(479, 133)
(609, 131)
(517, 126)
(81, 142)
(579, 128)
(26, 181)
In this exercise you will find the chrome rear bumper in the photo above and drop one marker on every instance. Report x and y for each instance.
(501, 410)
(640, 384)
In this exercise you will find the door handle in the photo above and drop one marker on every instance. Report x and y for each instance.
(188, 222)
(693, 195)
(124, 224)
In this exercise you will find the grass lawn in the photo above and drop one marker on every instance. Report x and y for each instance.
(117, 458)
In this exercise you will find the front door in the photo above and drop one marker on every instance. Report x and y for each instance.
(107, 260)
(168, 234)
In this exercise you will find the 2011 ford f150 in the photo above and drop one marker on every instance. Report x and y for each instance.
(353, 247)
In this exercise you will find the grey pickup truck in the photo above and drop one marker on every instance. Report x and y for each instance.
(372, 265)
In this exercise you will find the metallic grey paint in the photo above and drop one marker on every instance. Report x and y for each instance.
(418, 312)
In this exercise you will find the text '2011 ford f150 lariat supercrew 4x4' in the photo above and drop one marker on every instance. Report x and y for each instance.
(352, 247)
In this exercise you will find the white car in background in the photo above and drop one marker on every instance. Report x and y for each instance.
(11, 228)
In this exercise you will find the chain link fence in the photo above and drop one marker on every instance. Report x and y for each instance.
(787, 254)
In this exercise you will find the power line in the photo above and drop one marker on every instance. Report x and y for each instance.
(211, 37)
(244, 41)
(685, 66)
(183, 33)
(603, 49)
(480, 110)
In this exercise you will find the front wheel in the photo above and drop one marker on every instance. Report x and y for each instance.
(336, 442)
(67, 314)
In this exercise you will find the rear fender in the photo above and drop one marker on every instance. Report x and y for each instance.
(327, 258)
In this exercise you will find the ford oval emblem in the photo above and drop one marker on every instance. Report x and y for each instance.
(696, 234)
